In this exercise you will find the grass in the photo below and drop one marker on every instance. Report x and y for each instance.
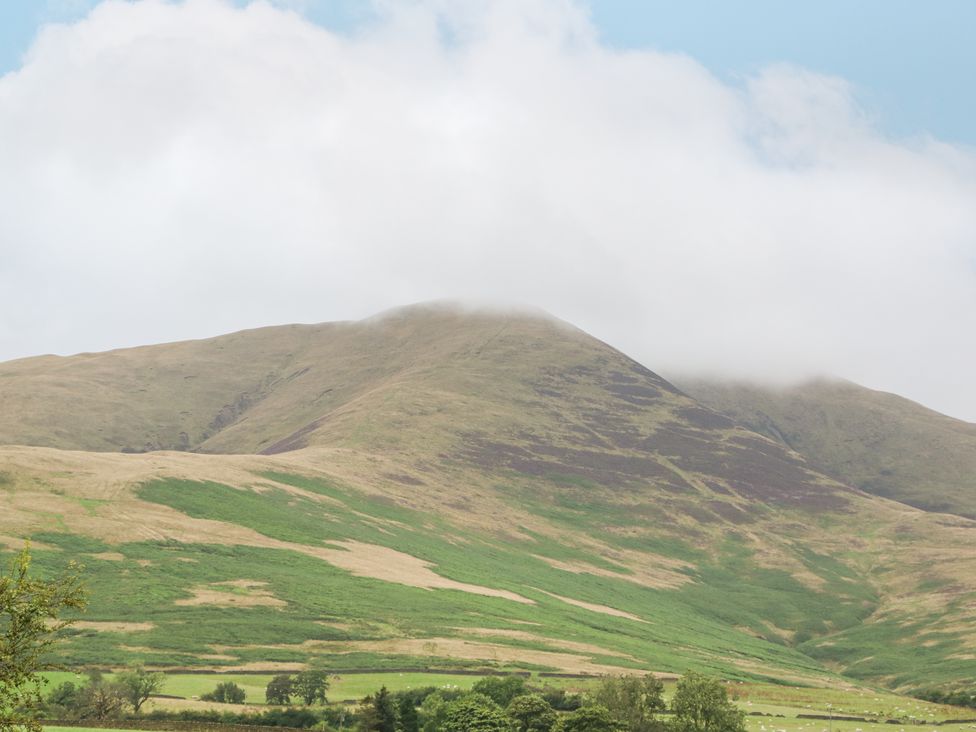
(687, 627)
(753, 724)
(780, 705)
(84, 729)
(868, 702)
(778, 724)
(345, 687)
(676, 623)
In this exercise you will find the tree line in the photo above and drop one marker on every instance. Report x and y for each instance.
(494, 704)
(509, 704)
(960, 697)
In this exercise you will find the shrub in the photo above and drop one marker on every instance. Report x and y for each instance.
(500, 689)
(593, 718)
(531, 713)
(475, 713)
(226, 693)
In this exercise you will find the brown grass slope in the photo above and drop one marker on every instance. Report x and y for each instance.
(881, 443)
(427, 383)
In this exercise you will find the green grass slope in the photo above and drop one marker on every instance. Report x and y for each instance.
(879, 442)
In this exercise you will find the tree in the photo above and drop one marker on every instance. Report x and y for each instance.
(432, 712)
(226, 692)
(30, 618)
(139, 685)
(62, 702)
(310, 686)
(288, 717)
(633, 700)
(407, 714)
(531, 713)
(475, 713)
(558, 699)
(101, 700)
(278, 690)
(500, 689)
(592, 718)
(378, 712)
(701, 704)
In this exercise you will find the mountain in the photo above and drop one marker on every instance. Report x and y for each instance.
(444, 487)
(881, 443)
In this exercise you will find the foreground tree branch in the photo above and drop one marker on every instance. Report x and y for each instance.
(30, 619)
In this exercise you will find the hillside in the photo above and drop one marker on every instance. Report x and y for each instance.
(881, 443)
(438, 487)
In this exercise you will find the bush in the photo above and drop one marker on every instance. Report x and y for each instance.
(593, 718)
(957, 697)
(701, 704)
(500, 689)
(290, 717)
(433, 710)
(310, 686)
(559, 700)
(62, 702)
(633, 701)
(416, 696)
(279, 690)
(475, 713)
(531, 713)
(226, 693)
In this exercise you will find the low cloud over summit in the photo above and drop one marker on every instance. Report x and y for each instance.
(179, 170)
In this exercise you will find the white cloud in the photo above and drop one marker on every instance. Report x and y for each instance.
(179, 170)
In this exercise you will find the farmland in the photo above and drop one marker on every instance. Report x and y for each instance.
(772, 705)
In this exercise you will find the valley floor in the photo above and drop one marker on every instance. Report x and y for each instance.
(770, 707)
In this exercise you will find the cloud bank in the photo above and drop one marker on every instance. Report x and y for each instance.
(170, 171)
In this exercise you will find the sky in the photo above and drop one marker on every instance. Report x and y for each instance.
(759, 190)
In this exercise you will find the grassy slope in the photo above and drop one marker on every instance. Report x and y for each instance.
(681, 630)
(508, 453)
(879, 442)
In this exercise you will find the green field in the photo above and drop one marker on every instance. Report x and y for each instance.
(779, 702)
(341, 688)
(687, 627)
(84, 729)
(753, 724)
(770, 707)
(779, 724)
(778, 699)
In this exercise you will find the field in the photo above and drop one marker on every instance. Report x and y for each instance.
(761, 724)
(753, 724)
(342, 688)
(447, 599)
(771, 707)
(197, 605)
(83, 729)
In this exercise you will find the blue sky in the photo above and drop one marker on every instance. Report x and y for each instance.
(913, 63)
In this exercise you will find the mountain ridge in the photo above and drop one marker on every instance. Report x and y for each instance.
(880, 442)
